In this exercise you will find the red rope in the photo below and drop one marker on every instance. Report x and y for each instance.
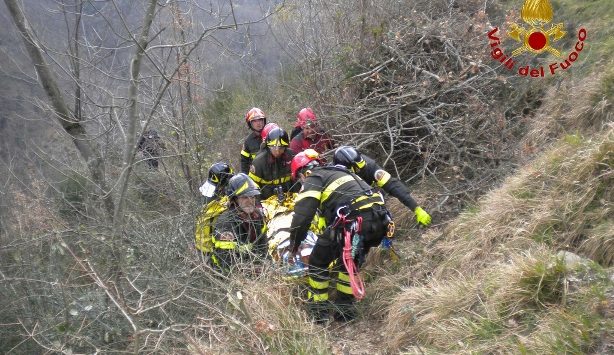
(358, 286)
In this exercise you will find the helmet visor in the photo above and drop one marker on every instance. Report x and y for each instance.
(250, 193)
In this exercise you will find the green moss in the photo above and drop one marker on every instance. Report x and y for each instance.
(606, 89)
(585, 11)
(73, 195)
(378, 31)
(554, 161)
(485, 328)
(604, 156)
(574, 140)
(543, 282)
(471, 210)
(522, 348)
(573, 332)
(528, 319)
(575, 329)
(545, 236)
(595, 16)
(524, 193)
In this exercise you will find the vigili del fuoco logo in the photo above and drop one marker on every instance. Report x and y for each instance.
(537, 37)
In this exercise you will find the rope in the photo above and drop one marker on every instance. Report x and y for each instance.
(356, 282)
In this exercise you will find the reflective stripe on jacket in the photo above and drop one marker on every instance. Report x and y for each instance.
(269, 172)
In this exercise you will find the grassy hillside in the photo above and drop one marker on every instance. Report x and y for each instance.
(499, 278)
(527, 268)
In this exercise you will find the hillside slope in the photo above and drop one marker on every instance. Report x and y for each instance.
(503, 278)
(526, 269)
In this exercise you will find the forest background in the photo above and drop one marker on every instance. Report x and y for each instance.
(96, 250)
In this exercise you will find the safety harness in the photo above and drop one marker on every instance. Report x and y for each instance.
(350, 225)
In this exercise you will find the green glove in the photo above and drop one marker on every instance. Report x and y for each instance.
(422, 217)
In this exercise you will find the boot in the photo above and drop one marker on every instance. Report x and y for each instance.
(344, 309)
(319, 312)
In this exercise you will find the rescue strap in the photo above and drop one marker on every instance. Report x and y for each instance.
(357, 205)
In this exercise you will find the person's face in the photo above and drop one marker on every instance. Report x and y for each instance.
(257, 125)
(302, 178)
(247, 204)
(310, 129)
(277, 152)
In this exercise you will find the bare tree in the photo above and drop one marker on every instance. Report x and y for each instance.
(410, 84)
(67, 119)
(113, 77)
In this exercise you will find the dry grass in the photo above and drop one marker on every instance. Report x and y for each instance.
(425, 314)
(488, 282)
(563, 200)
(599, 242)
(571, 106)
(509, 307)
(31, 211)
(491, 281)
(564, 331)
(267, 317)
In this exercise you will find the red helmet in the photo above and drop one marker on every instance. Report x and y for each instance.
(304, 160)
(267, 128)
(254, 114)
(305, 115)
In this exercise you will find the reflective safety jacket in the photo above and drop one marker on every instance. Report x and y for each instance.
(269, 172)
(251, 147)
(328, 188)
(374, 175)
(238, 238)
(205, 222)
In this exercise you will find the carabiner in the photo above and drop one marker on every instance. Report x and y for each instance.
(340, 210)
(390, 232)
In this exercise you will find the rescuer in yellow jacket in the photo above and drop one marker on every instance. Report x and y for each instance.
(239, 232)
(215, 202)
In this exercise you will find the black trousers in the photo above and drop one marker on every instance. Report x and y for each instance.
(329, 248)
(151, 158)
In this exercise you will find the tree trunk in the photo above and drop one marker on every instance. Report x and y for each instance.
(67, 120)
(131, 138)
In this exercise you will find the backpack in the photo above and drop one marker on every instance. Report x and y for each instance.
(205, 222)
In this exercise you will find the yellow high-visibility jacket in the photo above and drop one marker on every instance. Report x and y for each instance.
(205, 222)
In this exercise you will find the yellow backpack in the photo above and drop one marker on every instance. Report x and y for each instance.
(205, 222)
